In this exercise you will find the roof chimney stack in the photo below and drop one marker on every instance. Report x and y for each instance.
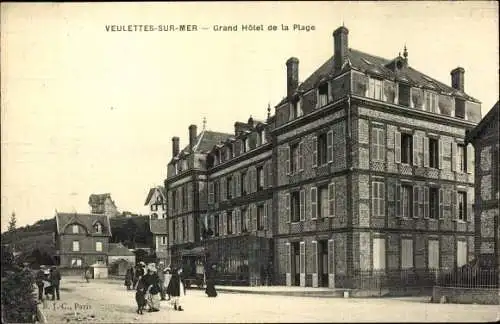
(192, 136)
(292, 75)
(340, 46)
(457, 78)
(175, 146)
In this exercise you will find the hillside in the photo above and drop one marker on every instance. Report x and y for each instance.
(131, 231)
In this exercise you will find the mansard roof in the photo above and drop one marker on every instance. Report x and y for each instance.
(364, 62)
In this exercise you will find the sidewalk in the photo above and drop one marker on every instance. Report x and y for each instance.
(284, 291)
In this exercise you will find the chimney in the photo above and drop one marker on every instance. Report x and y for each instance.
(175, 146)
(292, 75)
(192, 136)
(340, 46)
(457, 78)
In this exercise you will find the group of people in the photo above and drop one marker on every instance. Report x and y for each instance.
(47, 281)
(154, 284)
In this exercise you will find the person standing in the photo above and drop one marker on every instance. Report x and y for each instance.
(87, 274)
(210, 289)
(176, 289)
(161, 275)
(40, 277)
(139, 273)
(129, 277)
(167, 277)
(55, 279)
(153, 288)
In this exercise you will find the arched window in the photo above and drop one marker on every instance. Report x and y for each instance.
(98, 227)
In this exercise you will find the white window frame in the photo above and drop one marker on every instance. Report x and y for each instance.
(376, 89)
(75, 229)
(98, 246)
(378, 198)
(76, 262)
(378, 144)
(431, 100)
(379, 255)
(76, 246)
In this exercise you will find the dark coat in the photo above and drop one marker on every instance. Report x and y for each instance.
(174, 289)
(55, 277)
(153, 281)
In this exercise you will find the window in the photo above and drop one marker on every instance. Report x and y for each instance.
(76, 262)
(216, 191)
(323, 204)
(406, 253)
(260, 217)
(229, 152)
(433, 153)
(378, 254)
(378, 145)
(216, 225)
(461, 158)
(243, 183)
(174, 229)
(461, 253)
(183, 229)
(184, 197)
(462, 206)
(295, 109)
(296, 157)
(459, 108)
(375, 89)
(154, 216)
(431, 101)
(174, 200)
(229, 222)
(406, 148)
(322, 95)
(164, 240)
(295, 206)
(76, 246)
(244, 143)
(404, 94)
(433, 255)
(243, 220)
(378, 198)
(229, 187)
(164, 207)
(262, 136)
(406, 201)
(164, 215)
(433, 203)
(98, 246)
(154, 207)
(322, 149)
(75, 229)
(331, 199)
(260, 178)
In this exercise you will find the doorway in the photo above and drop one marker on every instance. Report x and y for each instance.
(295, 264)
(323, 263)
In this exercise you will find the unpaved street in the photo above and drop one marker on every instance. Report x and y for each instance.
(108, 301)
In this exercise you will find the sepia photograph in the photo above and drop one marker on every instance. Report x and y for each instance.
(250, 162)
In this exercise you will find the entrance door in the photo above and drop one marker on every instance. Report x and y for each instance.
(323, 263)
(296, 263)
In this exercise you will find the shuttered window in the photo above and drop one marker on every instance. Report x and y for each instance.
(302, 257)
(315, 151)
(406, 253)
(314, 203)
(378, 254)
(302, 212)
(331, 199)
(433, 254)
(329, 145)
(378, 198)
(397, 147)
(461, 253)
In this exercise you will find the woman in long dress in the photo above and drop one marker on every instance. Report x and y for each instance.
(176, 290)
(166, 280)
(154, 287)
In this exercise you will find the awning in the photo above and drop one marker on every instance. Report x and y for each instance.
(197, 251)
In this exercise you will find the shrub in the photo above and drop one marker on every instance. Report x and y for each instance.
(18, 299)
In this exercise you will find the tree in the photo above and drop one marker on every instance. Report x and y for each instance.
(12, 222)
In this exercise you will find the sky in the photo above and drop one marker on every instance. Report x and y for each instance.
(85, 110)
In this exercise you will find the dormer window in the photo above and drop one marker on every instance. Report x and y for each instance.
(75, 229)
(98, 227)
(431, 101)
(229, 152)
(262, 136)
(404, 94)
(175, 168)
(295, 109)
(216, 158)
(375, 89)
(323, 95)
(246, 145)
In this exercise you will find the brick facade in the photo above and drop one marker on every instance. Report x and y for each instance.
(485, 139)
(359, 160)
